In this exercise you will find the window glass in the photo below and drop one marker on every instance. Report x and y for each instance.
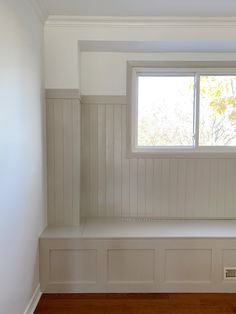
(217, 122)
(165, 111)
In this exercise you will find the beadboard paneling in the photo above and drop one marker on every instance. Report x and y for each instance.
(112, 185)
(63, 154)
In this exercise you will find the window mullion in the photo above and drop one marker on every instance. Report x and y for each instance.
(197, 110)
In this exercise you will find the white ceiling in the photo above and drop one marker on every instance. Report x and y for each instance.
(200, 8)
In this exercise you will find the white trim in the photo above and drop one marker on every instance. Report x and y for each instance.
(196, 110)
(40, 10)
(136, 69)
(129, 21)
(62, 94)
(33, 301)
(104, 100)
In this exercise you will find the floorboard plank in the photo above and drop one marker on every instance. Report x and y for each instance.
(137, 304)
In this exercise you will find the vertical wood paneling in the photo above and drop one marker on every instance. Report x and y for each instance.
(173, 187)
(50, 160)
(125, 169)
(113, 185)
(141, 188)
(190, 188)
(168, 188)
(149, 187)
(117, 159)
(109, 160)
(213, 187)
(67, 162)
(101, 160)
(181, 195)
(76, 137)
(205, 186)
(93, 148)
(59, 162)
(133, 187)
(165, 186)
(157, 200)
(85, 162)
(221, 187)
(230, 182)
(63, 151)
(83, 173)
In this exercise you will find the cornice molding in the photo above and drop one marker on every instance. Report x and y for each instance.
(40, 10)
(111, 21)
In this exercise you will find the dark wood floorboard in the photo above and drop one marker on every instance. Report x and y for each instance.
(137, 304)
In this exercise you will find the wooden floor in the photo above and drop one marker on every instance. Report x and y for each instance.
(137, 304)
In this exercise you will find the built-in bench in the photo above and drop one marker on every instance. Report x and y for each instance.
(139, 255)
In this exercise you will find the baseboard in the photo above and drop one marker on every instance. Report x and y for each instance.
(33, 301)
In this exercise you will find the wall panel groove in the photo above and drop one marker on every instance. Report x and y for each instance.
(161, 188)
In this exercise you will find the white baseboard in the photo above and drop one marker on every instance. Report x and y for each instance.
(33, 301)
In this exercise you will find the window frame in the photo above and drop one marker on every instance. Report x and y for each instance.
(135, 69)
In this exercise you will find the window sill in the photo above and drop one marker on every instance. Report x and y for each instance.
(184, 154)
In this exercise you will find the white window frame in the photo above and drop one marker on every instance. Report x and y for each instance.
(196, 69)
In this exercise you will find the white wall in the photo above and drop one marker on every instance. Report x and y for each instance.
(62, 37)
(22, 197)
(104, 73)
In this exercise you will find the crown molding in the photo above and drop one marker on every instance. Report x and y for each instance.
(40, 10)
(114, 21)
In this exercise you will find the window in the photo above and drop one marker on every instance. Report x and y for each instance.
(182, 110)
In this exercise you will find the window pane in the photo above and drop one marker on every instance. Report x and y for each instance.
(217, 111)
(165, 110)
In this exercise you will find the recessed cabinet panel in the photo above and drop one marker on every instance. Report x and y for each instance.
(131, 265)
(186, 265)
(73, 266)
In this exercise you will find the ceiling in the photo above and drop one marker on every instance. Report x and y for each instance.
(185, 8)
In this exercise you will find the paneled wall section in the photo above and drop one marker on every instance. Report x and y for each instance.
(112, 185)
(63, 154)
(115, 186)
